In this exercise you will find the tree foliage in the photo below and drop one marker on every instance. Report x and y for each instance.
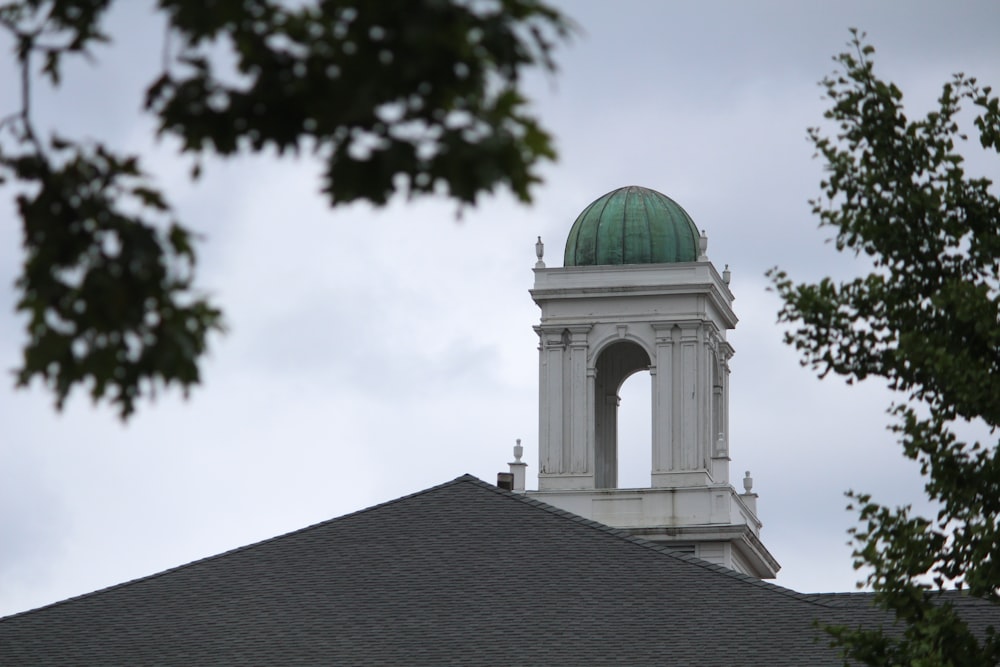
(927, 319)
(391, 95)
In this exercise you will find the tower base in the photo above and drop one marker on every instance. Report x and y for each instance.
(711, 522)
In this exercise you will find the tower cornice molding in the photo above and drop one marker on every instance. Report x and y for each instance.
(674, 281)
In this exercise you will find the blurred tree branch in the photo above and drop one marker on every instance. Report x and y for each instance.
(392, 96)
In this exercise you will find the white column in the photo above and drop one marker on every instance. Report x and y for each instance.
(661, 373)
(580, 413)
(704, 389)
(725, 354)
(550, 399)
(687, 452)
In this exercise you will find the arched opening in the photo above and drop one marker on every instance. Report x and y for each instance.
(635, 431)
(615, 364)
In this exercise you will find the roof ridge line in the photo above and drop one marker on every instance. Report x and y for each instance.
(460, 479)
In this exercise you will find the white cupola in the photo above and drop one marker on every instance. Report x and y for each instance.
(637, 292)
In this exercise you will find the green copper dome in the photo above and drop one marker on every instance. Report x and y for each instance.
(632, 225)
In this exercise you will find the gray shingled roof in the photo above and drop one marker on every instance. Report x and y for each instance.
(462, 573)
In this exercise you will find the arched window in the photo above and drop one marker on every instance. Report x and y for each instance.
(614, 365)
(635, 431)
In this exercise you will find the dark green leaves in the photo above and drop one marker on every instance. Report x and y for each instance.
(106, 283)
(52, 29)
(392, 95)
(927, 319)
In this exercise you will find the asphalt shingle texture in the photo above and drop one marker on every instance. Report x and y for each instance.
(460, 574)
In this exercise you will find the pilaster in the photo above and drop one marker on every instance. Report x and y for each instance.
(551, 397)
(580, 439)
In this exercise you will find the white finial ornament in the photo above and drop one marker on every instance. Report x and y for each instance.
(703, 247)
(748, 483)
(727, 275)
(539, 252)
(518, 468)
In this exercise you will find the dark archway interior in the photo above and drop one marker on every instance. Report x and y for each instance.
(615, 364)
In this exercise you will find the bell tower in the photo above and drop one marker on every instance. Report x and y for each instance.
(637, 292)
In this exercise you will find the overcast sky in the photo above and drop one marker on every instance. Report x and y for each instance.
(376, 353)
